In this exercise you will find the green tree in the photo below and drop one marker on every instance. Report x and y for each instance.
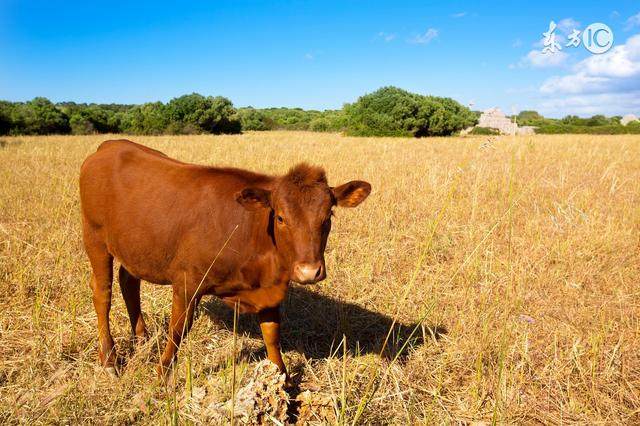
(195, 113)
(221, 117)
(5, 117)
(573, 120)
(147, 119)
(597, 120)
(80, 125)
(38, 117)
(390, 111)
(320, 124)
(253, 119)
(85, 119)
(526, 118)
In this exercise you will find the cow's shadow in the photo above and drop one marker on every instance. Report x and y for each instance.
(314, 325)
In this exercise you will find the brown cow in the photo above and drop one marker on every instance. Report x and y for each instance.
(239, 235)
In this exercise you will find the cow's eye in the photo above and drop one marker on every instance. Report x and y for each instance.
(279, 219)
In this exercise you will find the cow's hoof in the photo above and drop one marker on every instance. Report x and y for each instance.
(166, 375)
(111, 372)
(140, 340)
(289, 384)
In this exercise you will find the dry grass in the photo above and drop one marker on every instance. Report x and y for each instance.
(525, 250)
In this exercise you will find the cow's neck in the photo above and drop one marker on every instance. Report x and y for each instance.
(266, 247)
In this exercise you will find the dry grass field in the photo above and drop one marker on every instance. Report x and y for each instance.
(516, 258)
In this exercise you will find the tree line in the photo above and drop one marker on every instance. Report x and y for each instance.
(572, 124)
(389, 111)
(186, 114)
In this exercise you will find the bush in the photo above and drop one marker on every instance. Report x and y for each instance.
(596, 120)
(610, 129)
(92, 119)
(528, 118)
(147, 119)
(485, 131)
(196, 113)
(38, 117)
(633, 127)
(289, 118)
(597, 125)
(320, 124)
(337, 120)
(252, 119)
(80, 125)
(5, 117)
(187, 114)
(390, 111)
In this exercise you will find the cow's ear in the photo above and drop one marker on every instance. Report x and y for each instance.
(351, 193)
(254, 198)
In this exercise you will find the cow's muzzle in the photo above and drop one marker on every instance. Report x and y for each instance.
(308, 273)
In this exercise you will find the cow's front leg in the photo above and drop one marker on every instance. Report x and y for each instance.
(182, 309)
(270, 326)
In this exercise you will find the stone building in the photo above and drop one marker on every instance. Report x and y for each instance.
(495, 119)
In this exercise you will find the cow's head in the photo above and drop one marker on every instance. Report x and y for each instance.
(300, 206)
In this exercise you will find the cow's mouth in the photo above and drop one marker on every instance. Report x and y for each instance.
(308, 281)
(308, 273)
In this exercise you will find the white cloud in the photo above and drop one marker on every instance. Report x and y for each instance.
(459, 15)
(614, 71)
(567, 25)
(425, 38)
(387, 37)
(607, 83)
(622, 61)
(308, 56)
(537, 59)
(574, 83)
(633, 21)
(587, 105)
(614, 15)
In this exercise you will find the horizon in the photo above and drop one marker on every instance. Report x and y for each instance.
(320, 56)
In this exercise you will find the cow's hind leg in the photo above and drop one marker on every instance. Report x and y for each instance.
(130, 289)
(101, 280)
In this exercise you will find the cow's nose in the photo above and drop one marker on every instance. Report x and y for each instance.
(306, 273)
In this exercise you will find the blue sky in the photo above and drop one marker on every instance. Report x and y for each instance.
(318, 54)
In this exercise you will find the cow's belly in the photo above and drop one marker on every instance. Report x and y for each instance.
(143, 261)
(146, 274)
(256, 300)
